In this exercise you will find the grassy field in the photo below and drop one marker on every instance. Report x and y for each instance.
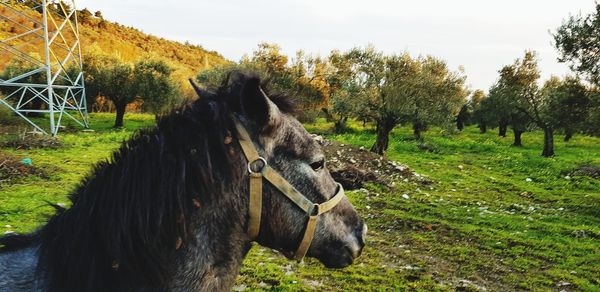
(497, 217)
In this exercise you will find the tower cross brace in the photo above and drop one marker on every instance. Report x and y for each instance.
(43, 64)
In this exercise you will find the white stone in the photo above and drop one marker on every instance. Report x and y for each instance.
(400, 168)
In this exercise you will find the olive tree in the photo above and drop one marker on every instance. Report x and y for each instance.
(522, 77)
(499, 107)
(346, 94)
(400, 89)
(570, 105)
(592, 125)
(577, 43)
(438, 97)
(480, 114)
(303, 77)
(123, 83)
(576, 40)
(512, 96)
(390, 97)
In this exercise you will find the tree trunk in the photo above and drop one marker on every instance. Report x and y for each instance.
(418, 127)
(568, 134)
(120, 109)
(35, 104)
(548, 142)
(340, 125)
(460, 124)
(482, 127)
(383, 136)
(517, 141)
(502, 127)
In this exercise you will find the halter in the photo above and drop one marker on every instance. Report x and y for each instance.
(312, 210)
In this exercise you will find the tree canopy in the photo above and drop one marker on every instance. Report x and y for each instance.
(569, 105)
(390, 90)
(123, 83)
(578, 43)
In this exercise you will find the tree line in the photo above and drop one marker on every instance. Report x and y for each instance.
(147, 82)
(387, 90)
(400, 89)
(362, 83)
(391, 90)
(518, 101)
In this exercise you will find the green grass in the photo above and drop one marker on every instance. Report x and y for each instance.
(497, 216)
(23, 203)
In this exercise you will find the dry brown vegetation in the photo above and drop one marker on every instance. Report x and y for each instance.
(102, 36)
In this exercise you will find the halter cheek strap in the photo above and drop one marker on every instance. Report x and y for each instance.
(313, 210)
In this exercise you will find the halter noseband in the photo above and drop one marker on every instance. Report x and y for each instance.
(313, 210)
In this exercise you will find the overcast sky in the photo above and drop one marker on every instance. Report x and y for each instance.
(480, 35)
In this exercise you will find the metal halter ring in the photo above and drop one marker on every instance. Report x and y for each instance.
(264, 161)
(314, 211)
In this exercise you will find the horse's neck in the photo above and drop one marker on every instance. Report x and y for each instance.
(212, 259)
(210, 271)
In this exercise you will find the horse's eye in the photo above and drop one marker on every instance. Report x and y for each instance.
(318, 165)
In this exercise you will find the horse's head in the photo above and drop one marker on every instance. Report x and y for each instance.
(293, 153)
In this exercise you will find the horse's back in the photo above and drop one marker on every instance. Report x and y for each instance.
(17, 270)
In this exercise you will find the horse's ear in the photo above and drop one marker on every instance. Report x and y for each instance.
(257, 106)
(199, 91)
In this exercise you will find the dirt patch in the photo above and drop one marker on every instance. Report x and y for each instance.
(29, 140)
(586, 170)
(354, 166)
(12, 168)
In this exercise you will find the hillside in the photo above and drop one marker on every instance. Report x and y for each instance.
(100, 35)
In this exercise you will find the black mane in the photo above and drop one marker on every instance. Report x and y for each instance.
(129, 213)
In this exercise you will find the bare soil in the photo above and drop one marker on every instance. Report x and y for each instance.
(29, 140)
(12, 168)
(354, 166)
(587, 170)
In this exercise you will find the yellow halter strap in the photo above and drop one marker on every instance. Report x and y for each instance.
(311, 209)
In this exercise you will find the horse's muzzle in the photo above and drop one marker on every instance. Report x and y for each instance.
(346, 254)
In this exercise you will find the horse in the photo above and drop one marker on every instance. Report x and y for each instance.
(178, 206)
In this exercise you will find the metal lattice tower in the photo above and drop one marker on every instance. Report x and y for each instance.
(40, 53)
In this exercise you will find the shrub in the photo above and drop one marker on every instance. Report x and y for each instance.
(7, 117)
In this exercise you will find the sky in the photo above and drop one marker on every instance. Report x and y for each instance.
(479, 35)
